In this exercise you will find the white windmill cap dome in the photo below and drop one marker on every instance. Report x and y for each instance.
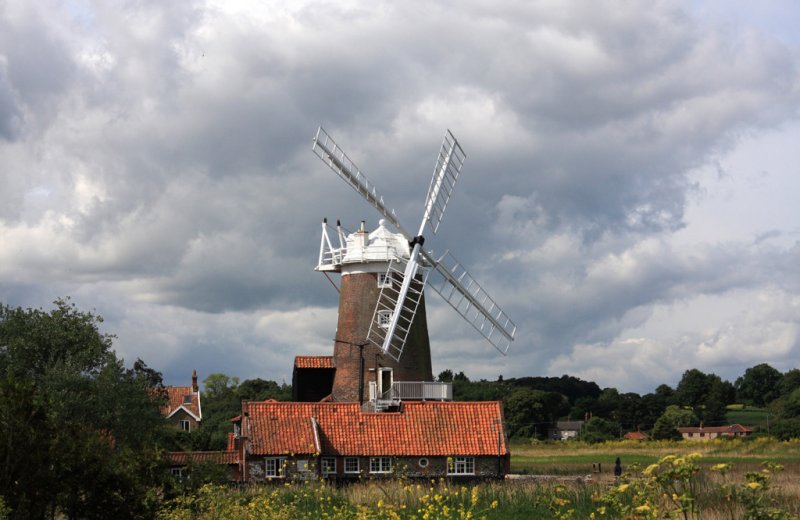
(381, 245)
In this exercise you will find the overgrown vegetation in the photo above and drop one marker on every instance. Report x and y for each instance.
(673, 486)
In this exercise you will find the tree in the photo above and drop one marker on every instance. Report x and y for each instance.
(528, 412)
(692, 388)
(759, 385)
(789, 381)
(673, 418)
(79, 432)
(598, 429)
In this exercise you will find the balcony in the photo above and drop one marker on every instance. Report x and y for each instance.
(413, 391)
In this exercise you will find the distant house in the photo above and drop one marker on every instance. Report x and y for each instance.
(565, 430)
(309, 441)
(703, 433)
(635, 436)
(182, 408)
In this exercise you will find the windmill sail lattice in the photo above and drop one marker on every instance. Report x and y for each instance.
(399, 300)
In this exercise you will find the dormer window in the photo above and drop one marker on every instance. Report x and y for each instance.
(187, 399)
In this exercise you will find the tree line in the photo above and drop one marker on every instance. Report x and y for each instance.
(533, 404)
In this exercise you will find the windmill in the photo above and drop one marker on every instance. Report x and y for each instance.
(404, 268)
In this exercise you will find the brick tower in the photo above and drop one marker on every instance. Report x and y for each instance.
(363, 259)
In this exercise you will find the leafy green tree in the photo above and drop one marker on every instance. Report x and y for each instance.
(261, 390)
(786, 429)
(598, 429)
(673, 418)
(692, 388)
(79, 432)
(759, 385)
(789, 381)
(528, 412)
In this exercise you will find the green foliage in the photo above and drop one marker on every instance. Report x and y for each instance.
(759, 385)
(672, 418)
(598, 429)
(527, 412)
(786, 429)
(77, 430)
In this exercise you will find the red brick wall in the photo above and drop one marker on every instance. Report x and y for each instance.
(357, 298)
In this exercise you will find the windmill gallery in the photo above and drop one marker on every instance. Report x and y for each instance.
(372, 409)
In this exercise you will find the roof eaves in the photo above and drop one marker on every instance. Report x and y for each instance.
(181, 407)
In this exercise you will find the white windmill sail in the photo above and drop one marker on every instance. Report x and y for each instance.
(399, 300)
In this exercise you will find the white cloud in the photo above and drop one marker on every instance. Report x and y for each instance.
(626, 164)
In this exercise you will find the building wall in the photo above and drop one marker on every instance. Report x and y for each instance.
(181, 415)
(357, 299)
(485, 467)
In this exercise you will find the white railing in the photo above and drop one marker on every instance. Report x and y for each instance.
(413, 391)
(419, 390)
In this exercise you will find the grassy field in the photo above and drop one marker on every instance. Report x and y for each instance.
(748, 416)
(577, 458)
(714, 480)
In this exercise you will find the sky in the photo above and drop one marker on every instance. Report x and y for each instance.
(629, 195)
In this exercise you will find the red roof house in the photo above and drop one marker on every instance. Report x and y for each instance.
(340, 440)
(182, 407)
(703, 433)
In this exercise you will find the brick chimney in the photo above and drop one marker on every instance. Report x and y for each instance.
(194, 381)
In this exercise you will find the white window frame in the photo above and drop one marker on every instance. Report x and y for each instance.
(461, 466)
(178, 472)
(328, 465)
(384, 280)
(302, 465)
(185, 425)
(274, 467)
(380, 464)
(348, 465)
(384, 318)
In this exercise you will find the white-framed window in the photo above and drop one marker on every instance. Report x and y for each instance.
(187, 399)
(273, 467)
(351, 465)
(329, 465)
(461, 466)
(380, 465)
(423, 462)
(178, 472)
(302, 466)
(384, 318)
(185, 425)
(384, 280)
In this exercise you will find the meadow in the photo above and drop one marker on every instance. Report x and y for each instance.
(733, 479)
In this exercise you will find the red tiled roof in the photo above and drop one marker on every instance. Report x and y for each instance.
(182, 458)
(422, 428)
(635, 436)
(733, 428)
(313, 361)
(231, 441)
(175, 399)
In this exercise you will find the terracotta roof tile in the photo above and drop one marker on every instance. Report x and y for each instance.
(177, 397)
(182, 458)
(733, 428)
(635, 436)
(422, 428)
(313, 362)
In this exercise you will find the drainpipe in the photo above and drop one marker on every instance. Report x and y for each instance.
(361, 374)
